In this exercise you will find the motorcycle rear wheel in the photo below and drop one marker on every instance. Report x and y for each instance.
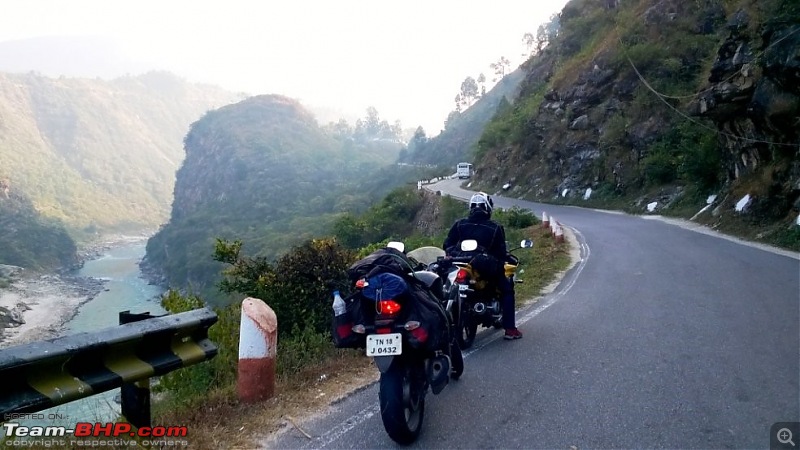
(402, 401)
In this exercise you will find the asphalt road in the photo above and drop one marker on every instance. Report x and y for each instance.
(660, 337)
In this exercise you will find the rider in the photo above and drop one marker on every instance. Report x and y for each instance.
(492, 237)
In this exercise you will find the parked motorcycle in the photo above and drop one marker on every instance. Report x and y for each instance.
(479, 298)
(401, 318)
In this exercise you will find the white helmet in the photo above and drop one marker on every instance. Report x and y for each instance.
(481, 200)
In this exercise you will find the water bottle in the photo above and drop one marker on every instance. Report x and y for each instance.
(339, 307)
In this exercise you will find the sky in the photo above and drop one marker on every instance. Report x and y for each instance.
(406, 58)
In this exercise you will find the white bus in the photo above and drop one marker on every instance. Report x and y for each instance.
(464, 170)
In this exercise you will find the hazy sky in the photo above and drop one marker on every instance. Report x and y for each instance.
(407, 58)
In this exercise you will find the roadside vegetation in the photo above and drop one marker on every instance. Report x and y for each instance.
(310, 371)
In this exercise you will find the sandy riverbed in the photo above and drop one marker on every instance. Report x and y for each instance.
(36, 307)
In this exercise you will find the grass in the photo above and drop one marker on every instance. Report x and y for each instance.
(220, 421)
(539, 267)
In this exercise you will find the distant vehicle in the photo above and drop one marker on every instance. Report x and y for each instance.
(464, 170)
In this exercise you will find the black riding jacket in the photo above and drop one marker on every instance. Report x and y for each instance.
(489, 234)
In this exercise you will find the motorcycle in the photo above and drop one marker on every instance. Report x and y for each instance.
(397, 315)
(479, 298)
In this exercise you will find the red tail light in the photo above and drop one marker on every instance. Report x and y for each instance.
(420, 334)
(388, 307)
(461, 276)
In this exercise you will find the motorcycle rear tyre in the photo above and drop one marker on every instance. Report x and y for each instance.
(402, 402)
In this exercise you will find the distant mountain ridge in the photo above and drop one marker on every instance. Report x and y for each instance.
(69, 56)
(99, 155)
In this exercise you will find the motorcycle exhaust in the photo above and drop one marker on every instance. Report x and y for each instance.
(479, 308)
(438, 368)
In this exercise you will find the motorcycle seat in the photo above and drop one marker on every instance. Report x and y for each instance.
(432, 281)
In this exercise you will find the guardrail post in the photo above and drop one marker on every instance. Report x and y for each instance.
(258, 345)
(545, 220)
(559, 234)
(135, 397)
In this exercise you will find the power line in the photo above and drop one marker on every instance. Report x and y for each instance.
(697, 122)
(663, 97)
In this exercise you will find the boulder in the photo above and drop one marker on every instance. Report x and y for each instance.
(581, 123)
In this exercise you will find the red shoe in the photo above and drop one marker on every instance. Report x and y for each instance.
(512, 333)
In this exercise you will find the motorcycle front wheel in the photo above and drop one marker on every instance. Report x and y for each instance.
(465, 330)
(402, 402)
(456, 360)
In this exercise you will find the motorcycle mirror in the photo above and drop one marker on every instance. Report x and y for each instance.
(399, 246)
(527, 243)
(469, 245)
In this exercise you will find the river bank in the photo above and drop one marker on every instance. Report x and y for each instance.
(36, 306)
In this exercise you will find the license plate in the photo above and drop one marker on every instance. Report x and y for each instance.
(463, 287)
(384, 344)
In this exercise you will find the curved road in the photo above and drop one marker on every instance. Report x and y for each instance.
(660, 337)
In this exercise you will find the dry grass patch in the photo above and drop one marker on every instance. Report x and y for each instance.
(220, 421)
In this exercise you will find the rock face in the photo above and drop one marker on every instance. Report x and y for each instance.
(755, 101)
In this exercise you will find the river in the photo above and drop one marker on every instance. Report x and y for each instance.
(124, 290)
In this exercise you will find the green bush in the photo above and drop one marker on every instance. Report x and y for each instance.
(660, 166)
(515, 217)
(688, 152)
(391, 218)
(298, 287)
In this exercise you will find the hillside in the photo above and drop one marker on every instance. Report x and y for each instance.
(459, 139)
(29, 240)
(664, 101)
(100, 156)
(264, 172)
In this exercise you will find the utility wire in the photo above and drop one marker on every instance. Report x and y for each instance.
(663, 97)
(697, 122)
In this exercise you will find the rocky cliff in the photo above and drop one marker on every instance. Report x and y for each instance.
(666, 100)
(264, 172)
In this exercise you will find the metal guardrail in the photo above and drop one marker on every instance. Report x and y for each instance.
(40, 375)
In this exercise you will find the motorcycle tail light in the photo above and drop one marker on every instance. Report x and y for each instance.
(388, 307)
(420, 334)
(461, 276)
(386, 330)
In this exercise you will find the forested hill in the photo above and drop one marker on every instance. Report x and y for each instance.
(264, 172)
(659, 104)
(98, 155)
(459, 139)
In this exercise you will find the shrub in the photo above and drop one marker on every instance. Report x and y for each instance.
(515, 217)
(298, 287)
